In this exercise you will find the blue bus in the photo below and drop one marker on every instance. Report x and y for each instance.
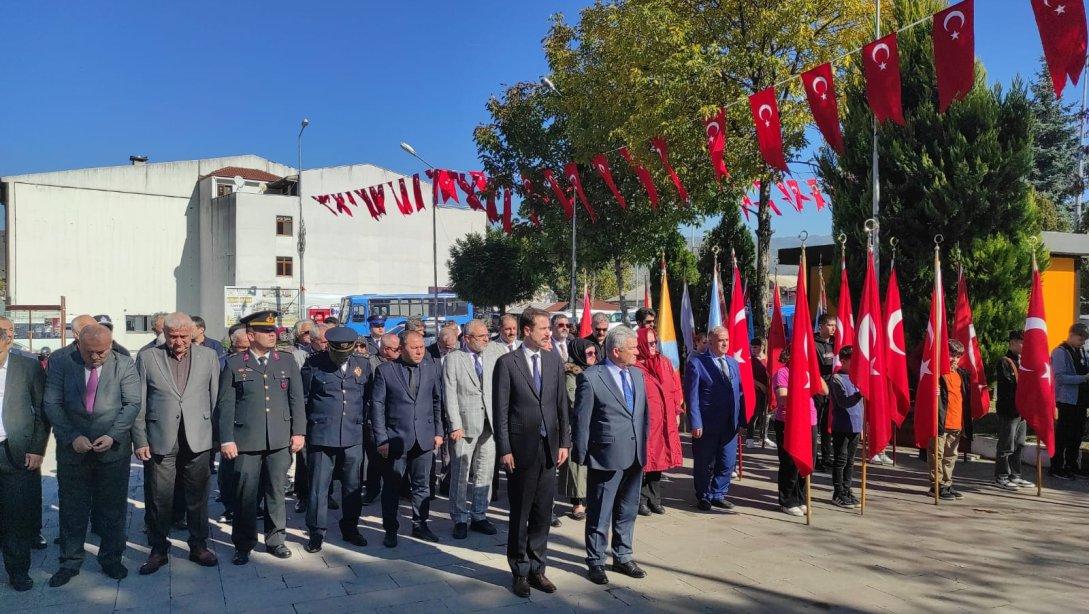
(396, 308)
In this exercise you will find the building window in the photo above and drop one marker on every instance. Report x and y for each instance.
(137, 324)
(284, 226)
(284, 266)
(223, 189)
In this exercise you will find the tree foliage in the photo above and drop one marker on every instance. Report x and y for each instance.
(1055, 151)
(681, 267)
(495, 269)
(729, 234)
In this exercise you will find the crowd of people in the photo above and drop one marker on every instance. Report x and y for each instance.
(595, 421)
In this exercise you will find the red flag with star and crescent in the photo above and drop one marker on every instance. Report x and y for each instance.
(820, 91)
(769, 129)
(557, 189)
(508, 223)
(881, 66)
(739, 342)
(867, 367)
(777, 339)
(643, 174)
(1063, 34)
(715, 129)
(600, 162)
(1035, 385)
(895, 356)
(660, 147)
(954, 38)
(845, 315)
(964, 330)
(935, 364)
(573, 177)
(804, 375)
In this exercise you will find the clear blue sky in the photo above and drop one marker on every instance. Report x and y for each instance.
(88, 84)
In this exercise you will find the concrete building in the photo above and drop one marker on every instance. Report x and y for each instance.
(132, 240)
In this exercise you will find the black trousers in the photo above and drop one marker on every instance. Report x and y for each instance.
(844, 447)
(824, 416)
(188, 472)
(652, 488)
(791, 485)
(413, 467)
(373, 466)
(325, 463)
(226, 482)
(95, 491)
(302, 476)
(1069, 429)
(532, 488)
(257, 475)
(20, 512)
(1011, 441)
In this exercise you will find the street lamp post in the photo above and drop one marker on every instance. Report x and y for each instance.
(434, 237)
(302, 225)
(545, 81)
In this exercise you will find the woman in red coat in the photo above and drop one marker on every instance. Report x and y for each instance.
(664, 399)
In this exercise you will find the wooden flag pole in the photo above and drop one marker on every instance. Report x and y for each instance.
(865, 461)
(895, 434)
(808, 499)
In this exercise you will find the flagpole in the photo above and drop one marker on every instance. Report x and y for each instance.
(740, 439)
(937, 361)
(876, 184)
(1039, 470)
(808, 499)
(895, 427)
(871, 229)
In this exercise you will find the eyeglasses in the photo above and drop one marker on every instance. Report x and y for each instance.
(652, 343)
(648, 321)
(601, 330)
(591, 352)
(563, 325)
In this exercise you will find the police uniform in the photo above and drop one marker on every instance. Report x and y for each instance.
(372, 343)
(336, 407)
(260, 407)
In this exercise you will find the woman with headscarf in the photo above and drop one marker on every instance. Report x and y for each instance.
(664, 399)
(582, 354)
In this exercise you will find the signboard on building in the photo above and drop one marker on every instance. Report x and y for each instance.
(239, 301)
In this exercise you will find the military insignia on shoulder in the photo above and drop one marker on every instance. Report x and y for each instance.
(275, 355)
(283, 384)
(358, 371)
(246, 357)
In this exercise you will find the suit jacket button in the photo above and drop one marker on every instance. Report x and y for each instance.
(267, 399)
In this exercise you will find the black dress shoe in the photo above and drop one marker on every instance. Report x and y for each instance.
(629, 569)
(722, 504)
(314, 544)
(117, 571)
(704, 505)
(424, 533)
(62, 577)
(461, 530)
(483, 526)
(644, 510)
(300, 506)
(390, 540)
(333, 505)
(540, 582)
(521, 586)
(597, 574)
(280, 552)
(556, 523)
(656, 507)
(21, 584)
(40, 544)
(241, 557)
(354, 539)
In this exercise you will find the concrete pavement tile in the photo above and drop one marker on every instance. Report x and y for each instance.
(435, 606)
(303, 578)
(376, 599)
(369, 583)
(199, 602)
(284, 597)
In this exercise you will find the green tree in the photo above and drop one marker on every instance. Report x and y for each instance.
(495, 269)
(963, 175)
(681, 267)
(729, 235)
(1055, 150)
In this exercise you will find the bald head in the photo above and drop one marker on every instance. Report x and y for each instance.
(95, 343)
(79, 323)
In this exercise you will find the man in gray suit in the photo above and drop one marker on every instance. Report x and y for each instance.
(23, 435)
(611, 441)
(179, 382)
(92, 397)
(467, 377)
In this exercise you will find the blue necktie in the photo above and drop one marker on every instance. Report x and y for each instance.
(479, 367)
(536, 374)
(629, 392)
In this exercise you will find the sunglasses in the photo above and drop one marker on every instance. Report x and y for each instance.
(601, 330)
(563, 325)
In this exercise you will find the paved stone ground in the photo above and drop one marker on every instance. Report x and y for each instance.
(989, 550)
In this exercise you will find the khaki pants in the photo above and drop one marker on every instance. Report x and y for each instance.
(947, 451)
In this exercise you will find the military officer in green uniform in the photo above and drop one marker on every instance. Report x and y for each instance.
(262, 422)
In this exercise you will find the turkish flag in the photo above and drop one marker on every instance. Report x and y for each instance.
(323, 200)
(787, 196)
(444, 180)
(964, 330)
(339, 198)
(601, 164)
(1035, 387)
(492, 211)
(954, 52)
(769, 129)
(935, 364)
(527, 189)
(378, 196)
(845, 315)
(771, 203)
(643, 174)
(797, 192)
(820, 90)
(881, 65)
(895, 357)
(405, 204)
(815, 192)
(565, 202)
(534, 219)
(867, 367)
(417, 191)
(362, 194)
(1063, 33)
(739, 342)
(660, 147)
(804, 375)
(715, 129)
(777, 339)
(470, 192)
(585, 327)
(507, 213)
(572, 173)
(747, 206)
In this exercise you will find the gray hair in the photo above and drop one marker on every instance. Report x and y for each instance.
(238, 334)
(617, 337)
(158, 319)
(476, 323)
(178, 321)
(718, 329)
(599, 317)
(297, 329)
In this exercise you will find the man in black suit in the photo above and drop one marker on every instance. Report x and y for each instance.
(23, 435)
(92, 397)
(533, 438)
(406, 418)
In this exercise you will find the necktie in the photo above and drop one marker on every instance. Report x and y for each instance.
(262, 360)
(722, 367)
(510, 347)
(479, 367)
(413, 380)
(536, 373)
(629, 392)
(563, 351)
(92, 390)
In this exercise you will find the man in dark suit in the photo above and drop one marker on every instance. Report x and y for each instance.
(406, 417)
(611, 424)
(262, 422)
(23, 435)
(388, 350)
(179, 382)
(532, 438)
(336, 384)
(378, 329)
(599, 327)
(92, 398)
(712, 390)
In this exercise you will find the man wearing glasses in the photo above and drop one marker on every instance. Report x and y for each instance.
(561, 329)
(599, 327)
(645, 317)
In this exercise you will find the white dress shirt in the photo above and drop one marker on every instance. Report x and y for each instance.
(529, 354)
(87, 374)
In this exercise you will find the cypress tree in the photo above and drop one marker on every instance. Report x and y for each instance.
(1055, 150)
